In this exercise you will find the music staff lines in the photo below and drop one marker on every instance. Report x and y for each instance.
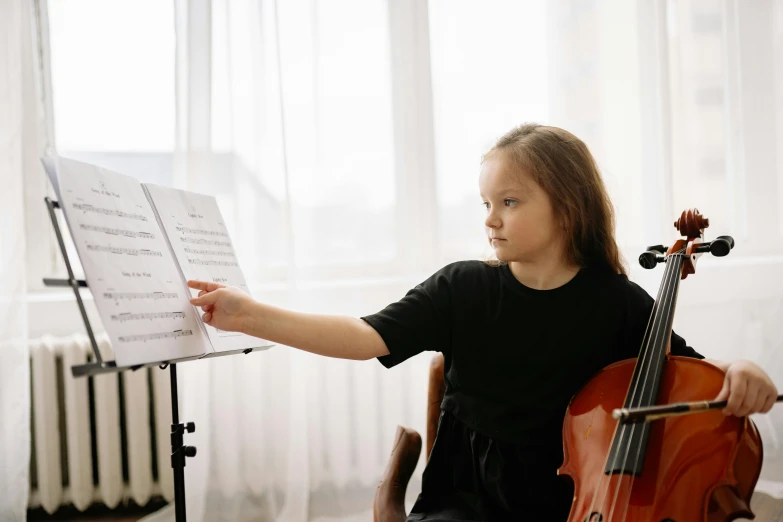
(154, 336)
(140, 295)
(149, 316)
(126, 251)
(187, 230)
(210, 262)
(204, 242)
(117, 231)
(86, 207)
(208, 252)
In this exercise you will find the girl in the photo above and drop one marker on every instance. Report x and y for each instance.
(519, 336)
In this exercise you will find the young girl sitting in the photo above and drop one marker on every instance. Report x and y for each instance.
(519, 336)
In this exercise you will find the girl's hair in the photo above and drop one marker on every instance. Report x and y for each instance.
(563, 167)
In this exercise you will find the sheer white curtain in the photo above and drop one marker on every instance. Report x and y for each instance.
(299, 117)
(22, 139)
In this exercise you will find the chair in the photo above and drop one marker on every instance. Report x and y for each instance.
(389, 502)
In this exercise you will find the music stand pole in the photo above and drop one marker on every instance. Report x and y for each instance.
(178, 450)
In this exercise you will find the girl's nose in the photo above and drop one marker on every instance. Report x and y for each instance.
(492, 221)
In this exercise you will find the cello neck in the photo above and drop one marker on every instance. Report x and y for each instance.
(659, 329)
(646, 380)
(656, 343)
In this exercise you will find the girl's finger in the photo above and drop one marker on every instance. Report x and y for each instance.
(198, 285)
(751, 394)
(761, 400)
(206, 299)
(204, 285)
(737, 396)
(725, 393)
(770, 402)
(207, 317)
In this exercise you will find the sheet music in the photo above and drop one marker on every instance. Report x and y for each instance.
(134, 279)
(199, 239)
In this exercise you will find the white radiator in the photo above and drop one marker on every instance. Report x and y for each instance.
(103, 439)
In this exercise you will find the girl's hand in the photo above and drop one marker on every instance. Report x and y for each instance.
(225, 307)
(748, 389)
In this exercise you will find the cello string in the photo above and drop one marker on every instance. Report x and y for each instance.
(680, 258)
(622, 427)
(676, 262)
(647, 358)
(656, 338)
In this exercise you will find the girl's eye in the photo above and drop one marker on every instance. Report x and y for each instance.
(507, 202)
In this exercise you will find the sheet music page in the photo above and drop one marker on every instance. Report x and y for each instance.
(133, 278)
(199, 239)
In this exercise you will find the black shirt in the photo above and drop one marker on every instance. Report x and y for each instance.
(514, 358)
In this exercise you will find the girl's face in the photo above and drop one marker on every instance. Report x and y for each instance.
(521, 225)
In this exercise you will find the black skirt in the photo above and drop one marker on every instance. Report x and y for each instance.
(472, 477)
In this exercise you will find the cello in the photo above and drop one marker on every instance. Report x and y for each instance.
(683, 468)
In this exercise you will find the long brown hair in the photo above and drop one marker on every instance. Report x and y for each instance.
(564, 168)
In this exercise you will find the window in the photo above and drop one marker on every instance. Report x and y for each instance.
(489, 74)
(113, 82)
(724, 136)
(317, 129)
(700, 112)
(113, 104)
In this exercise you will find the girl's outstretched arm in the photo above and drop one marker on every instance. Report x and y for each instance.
(343, 337)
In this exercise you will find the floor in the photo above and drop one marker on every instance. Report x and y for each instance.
(767, 509)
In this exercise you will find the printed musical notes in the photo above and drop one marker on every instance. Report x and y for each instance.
(126, 251)
(129, 267)
(187, 230)
(116, 231)
(154, 336)
(205, 242)
(147, 316)
(117, 296)
(210, 262)
(108, 212)
(208, 252)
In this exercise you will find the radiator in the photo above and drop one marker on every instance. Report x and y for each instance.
(102, 439)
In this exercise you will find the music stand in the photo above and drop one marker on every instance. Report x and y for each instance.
(179, 451)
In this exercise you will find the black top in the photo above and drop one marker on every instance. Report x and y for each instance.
(514, 357)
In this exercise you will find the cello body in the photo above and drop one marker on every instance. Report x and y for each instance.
(698, 468)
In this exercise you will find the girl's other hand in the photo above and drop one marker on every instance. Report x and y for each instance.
(748, 389)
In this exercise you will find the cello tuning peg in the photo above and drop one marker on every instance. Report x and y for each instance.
(657, 248)
(720, 246)
(650, 259)
(727, 238)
